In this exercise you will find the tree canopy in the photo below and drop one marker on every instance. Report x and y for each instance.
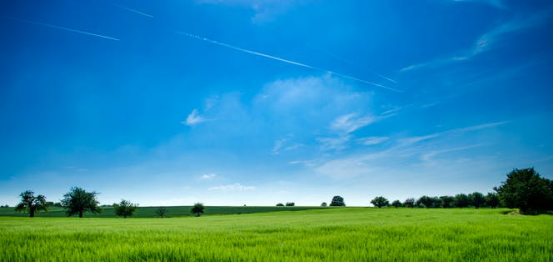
(78, 201)
(197, 209)
(526, 190)
(125, 208)
(380, 201)
(31, 203)
(337, 201)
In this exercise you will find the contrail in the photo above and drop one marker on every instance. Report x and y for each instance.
(62, 28)
(132, 10)
(285, 61)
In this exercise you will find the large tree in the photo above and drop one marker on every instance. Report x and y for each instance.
(461, 200)
(31, 203)
(477, 199)
(409, 202)
(526, 190)
(337, 201)
(125, 208)
(380, 201)
(79, 201)
(197, 209)
(396, 203)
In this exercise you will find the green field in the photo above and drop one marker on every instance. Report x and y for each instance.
(173, 211)
(332, 234)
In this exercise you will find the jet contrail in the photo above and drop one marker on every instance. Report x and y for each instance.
(132, 10)
(285, 61)
(61, 28)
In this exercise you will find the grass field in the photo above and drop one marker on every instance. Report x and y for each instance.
(333, 234)
(173, 211)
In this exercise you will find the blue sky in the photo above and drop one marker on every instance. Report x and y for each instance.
(259, 102)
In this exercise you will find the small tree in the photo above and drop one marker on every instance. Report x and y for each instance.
(526, 190)
(396, 203)
(447, 201)
(380, 201)
(280, 204)
(410, 202)
(337, 201)
(161, 212)
(461, 200)
(289, 204)
(124, 208)
(30, 203)
(425, 201)
(197, 209)
(492, 200)
(324, 204)
(477, 199)
(78, 201)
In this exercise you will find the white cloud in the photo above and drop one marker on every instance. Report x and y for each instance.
(232, 187)
(193, 118)
(208, 176)
(334, 143)
(281, 146)
(351, 122)
(372, 140)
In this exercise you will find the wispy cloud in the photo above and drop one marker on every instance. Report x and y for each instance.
(282, 146)
(62, 28)
(417, 139)
(427, 157)
(208, 176)
(351, 122)
(285, 61)
(194, 118)
(334, 143)
(132, 10)
(232, 187)
(372, 140)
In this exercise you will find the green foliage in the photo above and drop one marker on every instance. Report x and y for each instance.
(380, 201)
(477, 199)
(330, 234)
(396, 203)
(461, 200)
(447, 201)
(324, 204)
(492, 200)
(125, 208)
(410, 202)
(161, 212)
(31, 203)
(527, 190)
(425, 201)
(337, 201)
(289, 204)
(78, 201)
(280, 205)
(197, 209)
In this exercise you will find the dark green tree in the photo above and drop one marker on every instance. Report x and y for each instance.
(31, 203)
(324, 204)
(461, 200)
(410, 202)
(425, 201)
(125, 208)
(280, 204)
(447, 201)
(197, 209)
(161, 212)
(78, 201)
(380, 201)
(289, 204)
(396, 203)
(337, 201)
(477, 199)
(526, 190)
(492, 200)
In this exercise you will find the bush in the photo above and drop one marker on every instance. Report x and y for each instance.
(289, 204)
(280, 205)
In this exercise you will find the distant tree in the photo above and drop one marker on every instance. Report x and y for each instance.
(425, 201)
(289, 204)
(396, 203)
(31, 203)
(58, 204)
(380, 201)
(280, 204)
(410, 202)
(337, 201)
(526, 190)
(492, 200)
(78, 201)
(161, 212)
(125, 208)
(477, 199)
(324, 204)
(461, 200)
(436, 202)
(447, 201)
(197, 209)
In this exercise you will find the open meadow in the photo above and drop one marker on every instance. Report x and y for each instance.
(331, 234)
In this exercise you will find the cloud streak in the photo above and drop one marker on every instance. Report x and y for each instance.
(194, 118)
(63, 28)
(132, 10)
(286, 61)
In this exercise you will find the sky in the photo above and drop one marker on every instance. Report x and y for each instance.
(256, 102)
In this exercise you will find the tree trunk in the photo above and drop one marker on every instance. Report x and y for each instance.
(32, 213)
(81, 214)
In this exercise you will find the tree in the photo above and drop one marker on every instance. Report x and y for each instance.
(447, 201)
(461, 200)
(396, 203)
(425, 201)
(526, 190)
(337, 201)
(197, 209)
(124, 208)
(380, 201)
(477, 199)
(492, 200)
(289, 204)
(280, 204)
(31, 203)
(410, 202)
(324, 204)
(161, 212)
(78, 201)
